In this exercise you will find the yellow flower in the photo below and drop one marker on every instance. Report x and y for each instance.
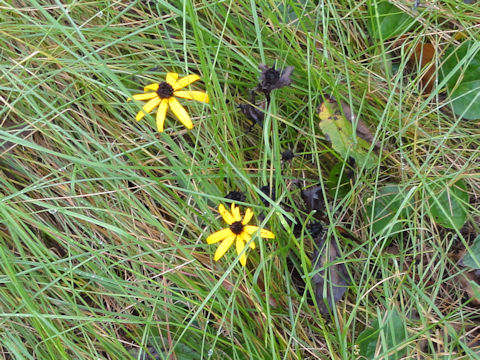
(163, 95)
(238, 231)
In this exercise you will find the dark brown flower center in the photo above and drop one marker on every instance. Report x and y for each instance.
(237, 227)
(271, 76)
(165, 90)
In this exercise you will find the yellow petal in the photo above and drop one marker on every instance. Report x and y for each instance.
(248, 216)
(240, 246)
(148, 107)
(219, 235)
(250, 229)
(223, 247)
(180, 112)
(171, 78)
(162, 112)
(151, 87)
(236, 213)
(247, 238)
(227, 217)
(185, 81)
(146, 96)
(192, 95)
(267, 234)
(243, 259)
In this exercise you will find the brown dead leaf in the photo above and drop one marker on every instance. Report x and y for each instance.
(423, 60)
(465, 280)
(331, 281)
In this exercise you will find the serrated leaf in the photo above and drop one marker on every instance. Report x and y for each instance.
(448, 204)
(339, 131)
(382, 210)
(461, 68)
(472, 258)
(387, 20)
(394, 333)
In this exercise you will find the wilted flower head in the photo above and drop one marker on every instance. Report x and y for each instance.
(314, 199)
(287, 155)
(253, 113)
(236, 196)
(270, 192)
(271, 79)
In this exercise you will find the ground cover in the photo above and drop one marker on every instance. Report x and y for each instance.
(349, 129)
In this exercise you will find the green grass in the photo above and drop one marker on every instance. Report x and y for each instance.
(103, 220)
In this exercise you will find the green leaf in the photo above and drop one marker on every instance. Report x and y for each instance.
(461, 68)
(472, 258)
(387, 20)
(394, 333)
(385, 206)
(466, 98)
(185, 352)
(475, 289)
(466, 57)
(338, 182)
(448, 204)
(339, 131)
(292, 9)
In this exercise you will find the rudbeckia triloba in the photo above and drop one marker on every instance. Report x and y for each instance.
(164, 95)
(238, 232)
